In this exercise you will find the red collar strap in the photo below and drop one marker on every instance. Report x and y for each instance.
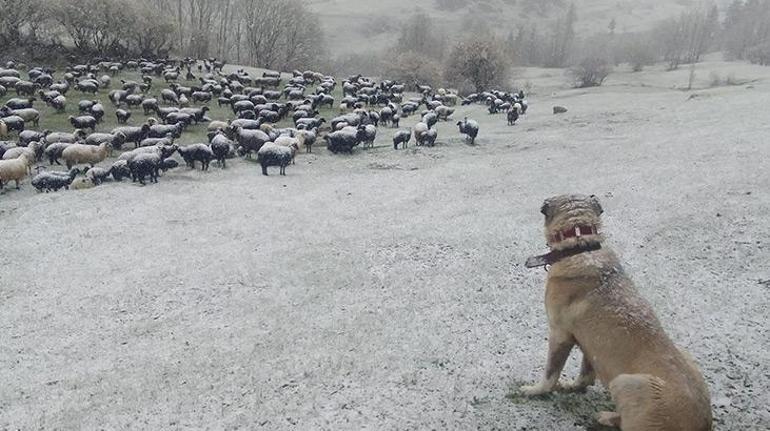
(574, 232)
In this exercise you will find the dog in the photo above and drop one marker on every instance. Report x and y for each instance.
(592, 304)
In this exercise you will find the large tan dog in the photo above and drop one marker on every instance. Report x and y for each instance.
(592, 304)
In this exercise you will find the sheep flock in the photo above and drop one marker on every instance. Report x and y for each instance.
(269, 118)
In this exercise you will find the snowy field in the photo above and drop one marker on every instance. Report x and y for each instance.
(386, 290)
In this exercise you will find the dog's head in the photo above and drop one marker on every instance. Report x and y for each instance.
(572, 221)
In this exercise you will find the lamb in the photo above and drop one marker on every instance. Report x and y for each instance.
(85, 154)
(367, 134)
(402, 137)
(197, 152)
(14, 170)
(274, 155)
(122, 116)
(470, 128)
(83, 122)
(53, 181)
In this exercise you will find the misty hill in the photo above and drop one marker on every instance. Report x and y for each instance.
(356, 26)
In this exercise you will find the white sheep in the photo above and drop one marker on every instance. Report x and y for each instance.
(14, 170)
(28, 152)
(81, 154)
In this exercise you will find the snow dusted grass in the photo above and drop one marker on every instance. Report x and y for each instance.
(386, 290)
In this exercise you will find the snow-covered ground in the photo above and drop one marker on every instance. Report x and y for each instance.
(386, 290)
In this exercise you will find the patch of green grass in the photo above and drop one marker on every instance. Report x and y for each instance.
(58, 121)
(582, 406)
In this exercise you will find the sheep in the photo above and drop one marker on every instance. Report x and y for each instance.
(29, 154)
(197, 152)
(29, 115)
(97, 175)
(59, 103)
(428, 138)
(20, 103)
(120, 170)
(28, 136)
(430, 118)
(402, 137)
(163, 130)
(69, 138)
(85, 154)
(342, 140)
(122, 115)
(54, 151)
(3, 129)
(149, 106)
(307, 138)
(53, 181)
(116, 140)
(217, 125)
(14, 170)
(367, 134)
(163, 151)
(444, 112)
(250, 140)
(133, 134)
(220, 146)
(290, 142)
(419, 129)
(274, 155)
(143, 165)
(470, 128)
(513, 115)
(167, 164)
(83, 122)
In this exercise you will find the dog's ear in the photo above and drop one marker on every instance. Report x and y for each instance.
(545, 209)
(597, 206)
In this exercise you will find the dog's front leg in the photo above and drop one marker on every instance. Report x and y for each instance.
(586, 378)
(560, 344)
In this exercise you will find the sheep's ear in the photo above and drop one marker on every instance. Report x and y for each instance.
(596, 205)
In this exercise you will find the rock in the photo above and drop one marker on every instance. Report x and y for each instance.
(559, 110)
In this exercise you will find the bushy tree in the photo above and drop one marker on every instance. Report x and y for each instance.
(479, 61)
(414, 69)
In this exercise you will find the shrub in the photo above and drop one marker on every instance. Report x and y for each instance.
(590, 72)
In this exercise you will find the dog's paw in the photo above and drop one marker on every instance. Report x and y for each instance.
(535, 390)
(577, 386)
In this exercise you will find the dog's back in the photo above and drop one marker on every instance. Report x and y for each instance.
(655, 385)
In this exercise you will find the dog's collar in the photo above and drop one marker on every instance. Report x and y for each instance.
(574, 232)
(557, 255)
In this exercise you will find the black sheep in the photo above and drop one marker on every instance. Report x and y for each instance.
(197, 153)
(83, 122)
(143, 165)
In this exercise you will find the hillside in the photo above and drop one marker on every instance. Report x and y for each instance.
(356, 26)
(385, 289)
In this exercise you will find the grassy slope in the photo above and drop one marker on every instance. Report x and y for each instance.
(55, 121)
